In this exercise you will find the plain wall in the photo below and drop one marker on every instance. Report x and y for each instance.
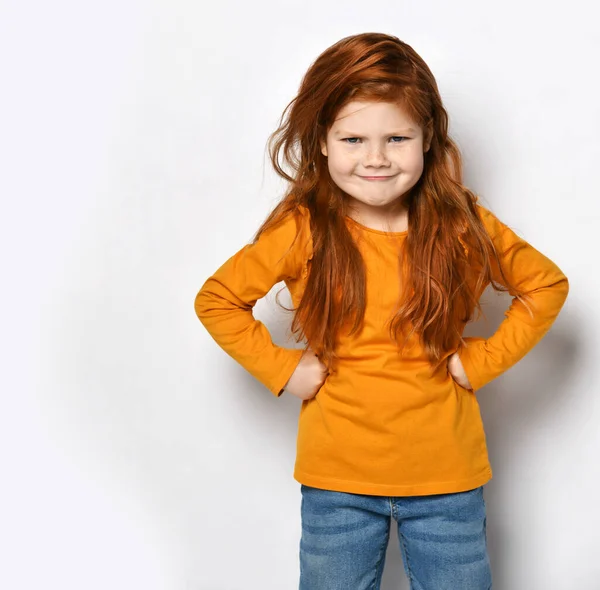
(134, 452)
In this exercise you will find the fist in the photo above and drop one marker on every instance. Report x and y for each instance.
(457, 371)
(308, 377)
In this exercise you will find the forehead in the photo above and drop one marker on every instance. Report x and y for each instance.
(373, 114)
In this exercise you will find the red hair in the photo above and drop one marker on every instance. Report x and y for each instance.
(447, 256)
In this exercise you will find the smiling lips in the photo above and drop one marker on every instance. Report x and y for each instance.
(376, 177)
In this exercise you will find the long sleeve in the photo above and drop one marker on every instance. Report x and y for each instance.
(545, 284)
(225, 301)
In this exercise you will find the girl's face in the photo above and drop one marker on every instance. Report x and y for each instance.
(374, 139)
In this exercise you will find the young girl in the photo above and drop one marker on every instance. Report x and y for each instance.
(385, 254)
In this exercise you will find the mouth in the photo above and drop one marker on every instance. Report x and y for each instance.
(376, 177)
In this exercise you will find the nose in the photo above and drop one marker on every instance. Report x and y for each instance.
(376, 157)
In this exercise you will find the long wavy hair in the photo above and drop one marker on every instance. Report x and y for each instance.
(447, 255)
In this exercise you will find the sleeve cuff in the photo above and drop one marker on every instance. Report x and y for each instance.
(470, 356)
(287, 370)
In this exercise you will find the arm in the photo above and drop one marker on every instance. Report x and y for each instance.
(547, 288)
(225, 301)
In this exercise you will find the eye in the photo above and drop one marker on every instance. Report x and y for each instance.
(354, 140)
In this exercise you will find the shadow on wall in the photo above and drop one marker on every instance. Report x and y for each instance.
(527, 396)
(510, 404)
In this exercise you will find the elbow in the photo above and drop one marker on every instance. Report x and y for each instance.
(564, 283)
(562, 291)
(201, 304)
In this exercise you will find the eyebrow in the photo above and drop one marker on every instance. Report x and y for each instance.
(399, 132)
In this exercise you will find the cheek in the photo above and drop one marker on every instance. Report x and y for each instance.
(341, 165)
(415, 162)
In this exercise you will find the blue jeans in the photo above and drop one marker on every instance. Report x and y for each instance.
(345, 537)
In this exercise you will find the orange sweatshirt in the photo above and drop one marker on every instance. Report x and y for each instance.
(382, 424)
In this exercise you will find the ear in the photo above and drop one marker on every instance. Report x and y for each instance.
(427, 138)
(323, 148)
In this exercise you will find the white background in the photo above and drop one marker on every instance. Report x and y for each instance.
(134, 452)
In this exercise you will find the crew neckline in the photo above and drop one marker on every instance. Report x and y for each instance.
(377, 231)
